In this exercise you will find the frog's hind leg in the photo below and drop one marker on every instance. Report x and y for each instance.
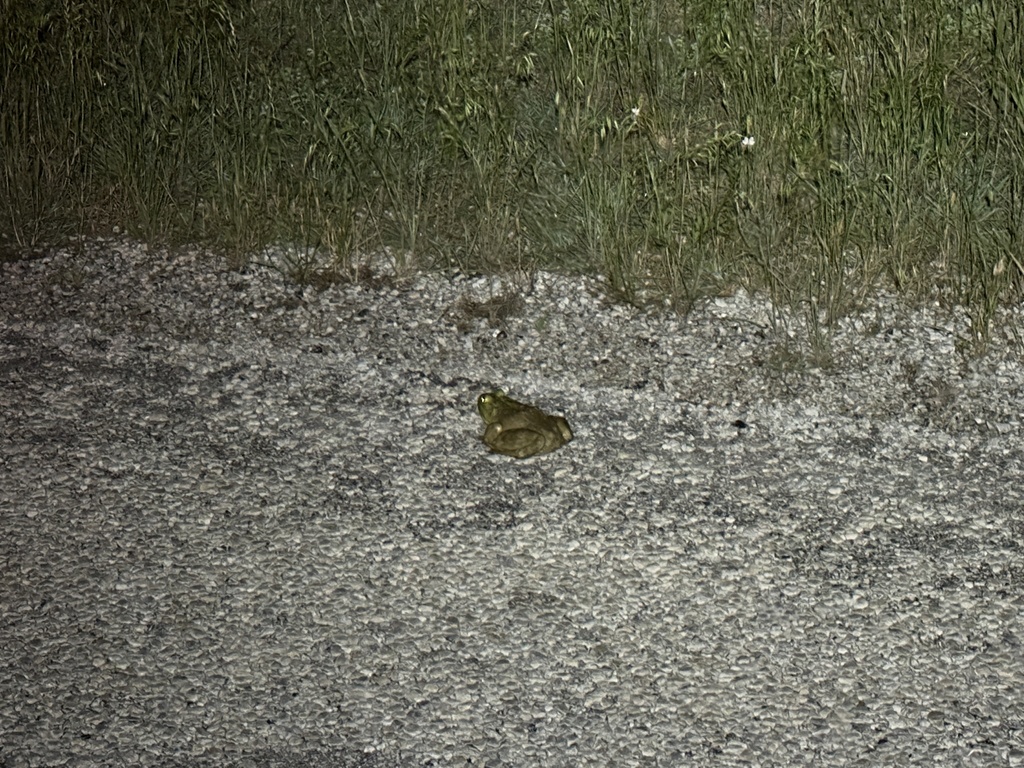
(523, 443)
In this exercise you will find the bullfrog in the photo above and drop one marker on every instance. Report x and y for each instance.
(520, 430)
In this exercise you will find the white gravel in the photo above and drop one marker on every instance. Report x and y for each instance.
(247, 524)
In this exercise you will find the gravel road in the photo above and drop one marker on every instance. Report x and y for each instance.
(248, 524)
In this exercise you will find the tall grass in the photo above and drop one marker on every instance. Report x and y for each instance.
(815, 151)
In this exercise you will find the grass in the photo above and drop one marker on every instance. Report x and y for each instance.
(814, 151)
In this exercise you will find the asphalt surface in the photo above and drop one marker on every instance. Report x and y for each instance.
(250, 524)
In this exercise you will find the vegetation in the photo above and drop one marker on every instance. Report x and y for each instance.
(816, 151)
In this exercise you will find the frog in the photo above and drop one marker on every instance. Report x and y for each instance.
(520, 430)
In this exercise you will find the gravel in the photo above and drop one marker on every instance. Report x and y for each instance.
(250, 524)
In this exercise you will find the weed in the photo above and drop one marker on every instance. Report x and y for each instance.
(814, 151)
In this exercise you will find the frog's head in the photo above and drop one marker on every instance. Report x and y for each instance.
(491, 405)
